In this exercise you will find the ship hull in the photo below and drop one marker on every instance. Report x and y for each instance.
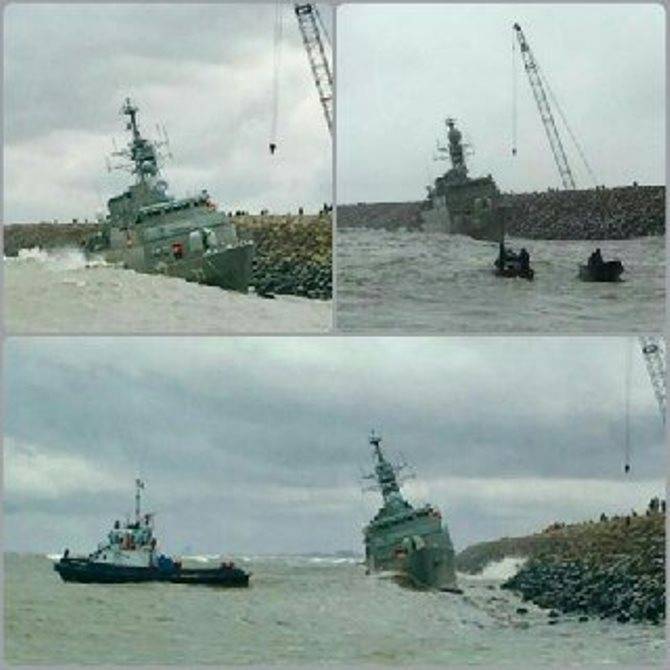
(87, 572)
(228, 269)
(428, 568)
(438, 220)
(418, 551)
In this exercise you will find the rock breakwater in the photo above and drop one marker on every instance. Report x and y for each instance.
(613, 568)
(293, 255)
(591, 214)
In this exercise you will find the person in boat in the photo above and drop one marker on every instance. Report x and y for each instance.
(595, 259)
(501, 255)
(524, 260)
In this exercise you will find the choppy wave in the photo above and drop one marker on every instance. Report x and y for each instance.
(500, 570)
(62, 291)
(421, 282)
(65, 258)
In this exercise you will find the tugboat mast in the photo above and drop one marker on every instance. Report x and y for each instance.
(139, 485)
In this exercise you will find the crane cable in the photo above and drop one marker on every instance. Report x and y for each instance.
(627, 390)
(276, 65)
(514, 95)
(580, 151)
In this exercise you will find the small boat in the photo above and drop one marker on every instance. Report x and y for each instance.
(512, 265)
(607, 271)
(130, 555)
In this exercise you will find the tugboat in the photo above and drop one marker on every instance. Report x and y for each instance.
(130, 555)
(153, 233)
(408, 542)
(459, 204)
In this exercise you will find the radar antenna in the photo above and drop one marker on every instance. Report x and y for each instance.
(141, 157)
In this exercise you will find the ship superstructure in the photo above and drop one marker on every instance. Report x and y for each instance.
(149, 231)
(410, 542)
(457, 203)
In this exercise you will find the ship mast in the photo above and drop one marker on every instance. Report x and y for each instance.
(142, 156)
(386, 474)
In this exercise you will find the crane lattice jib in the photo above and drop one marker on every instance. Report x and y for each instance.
(318, 60)
(543, 106)
(653, 350)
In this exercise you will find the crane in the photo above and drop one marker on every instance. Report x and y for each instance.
(537, 86)
(311, 26)
(653, 350)
(316, 40)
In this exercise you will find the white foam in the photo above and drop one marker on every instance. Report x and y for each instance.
(68, 258)
(501, 570)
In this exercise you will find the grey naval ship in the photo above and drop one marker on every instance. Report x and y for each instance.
(131, 554)
(410, 543)
(459, 204)
(151, 232)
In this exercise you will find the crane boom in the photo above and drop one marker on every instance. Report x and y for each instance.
(307, 15)
(653, 350)
(536, 85)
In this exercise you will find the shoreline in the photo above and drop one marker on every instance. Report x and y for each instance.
(613, 568)
(293, 253)
(618, 213)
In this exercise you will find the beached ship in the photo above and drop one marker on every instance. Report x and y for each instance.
(409, 542)
(131, 554)
(459, 204)
(151, 232)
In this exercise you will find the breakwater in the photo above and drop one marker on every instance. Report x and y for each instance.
(611, 568)
(293, 253)
(591, 214)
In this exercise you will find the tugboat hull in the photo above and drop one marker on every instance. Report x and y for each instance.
(89, 572)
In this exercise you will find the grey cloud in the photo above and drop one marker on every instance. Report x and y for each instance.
(273, 431)
(205, 71)
(605, 64)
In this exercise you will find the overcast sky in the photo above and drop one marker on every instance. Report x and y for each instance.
(257, 445)
(402, 69)
(205, 71)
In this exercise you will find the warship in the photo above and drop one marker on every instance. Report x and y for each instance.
(408, 542)
(148, 231)
(130, 554)
(459, 204)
